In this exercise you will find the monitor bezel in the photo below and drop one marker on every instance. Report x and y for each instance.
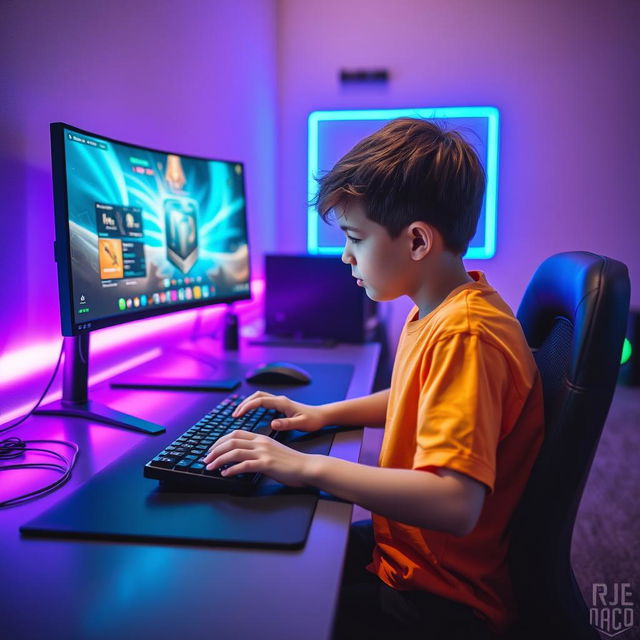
(62, 245)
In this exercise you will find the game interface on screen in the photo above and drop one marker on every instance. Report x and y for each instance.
(152, 229)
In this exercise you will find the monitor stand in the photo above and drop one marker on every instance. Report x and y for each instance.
(75, 393)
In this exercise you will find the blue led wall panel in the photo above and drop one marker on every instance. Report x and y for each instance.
(333, 133)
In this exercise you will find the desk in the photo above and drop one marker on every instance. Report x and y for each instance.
(100, 590)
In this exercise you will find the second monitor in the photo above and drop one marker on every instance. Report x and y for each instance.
(315, 297)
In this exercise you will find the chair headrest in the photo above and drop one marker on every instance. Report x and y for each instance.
(591, 292)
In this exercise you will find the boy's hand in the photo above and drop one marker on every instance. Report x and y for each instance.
(300, 416)
(256, 453)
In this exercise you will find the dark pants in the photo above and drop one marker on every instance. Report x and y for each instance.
(368, 608)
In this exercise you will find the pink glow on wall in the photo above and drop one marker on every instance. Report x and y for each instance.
(206, 86)
(105, 374)
(25, 371)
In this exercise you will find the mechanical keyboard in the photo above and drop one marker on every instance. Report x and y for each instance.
(181, 464)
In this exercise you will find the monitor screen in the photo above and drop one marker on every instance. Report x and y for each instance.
(141, 232)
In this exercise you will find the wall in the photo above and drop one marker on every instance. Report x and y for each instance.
(215, 78)
(564, 75)
(196, 77)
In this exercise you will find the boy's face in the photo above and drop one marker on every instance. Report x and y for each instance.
(381, 264)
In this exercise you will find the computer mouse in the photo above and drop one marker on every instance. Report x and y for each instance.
(278, 373)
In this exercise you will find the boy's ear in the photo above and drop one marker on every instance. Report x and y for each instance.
(422, 238)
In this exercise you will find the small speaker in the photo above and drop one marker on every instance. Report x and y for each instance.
(309, 296)
(230, 332)
(630, 360)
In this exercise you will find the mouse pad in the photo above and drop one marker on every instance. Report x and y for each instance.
(119, 503)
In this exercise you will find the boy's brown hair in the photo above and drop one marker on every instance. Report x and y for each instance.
(410, 170)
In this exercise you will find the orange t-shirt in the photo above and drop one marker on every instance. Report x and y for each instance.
(465, 394)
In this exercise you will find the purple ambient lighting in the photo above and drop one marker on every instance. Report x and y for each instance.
(25, 369)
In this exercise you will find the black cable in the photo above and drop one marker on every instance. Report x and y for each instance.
(13, 448)
(44, 393)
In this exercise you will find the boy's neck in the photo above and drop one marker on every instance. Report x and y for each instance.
(442, 277)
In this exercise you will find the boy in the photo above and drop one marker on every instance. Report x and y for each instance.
(463, 417)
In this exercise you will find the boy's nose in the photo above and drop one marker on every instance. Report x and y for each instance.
(346, 257)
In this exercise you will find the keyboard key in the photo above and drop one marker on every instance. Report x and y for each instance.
(164, 462)
(263, 427)
(187, 452)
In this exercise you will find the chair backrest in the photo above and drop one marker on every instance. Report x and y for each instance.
(574, 314)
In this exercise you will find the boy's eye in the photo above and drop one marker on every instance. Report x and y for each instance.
(353, 240)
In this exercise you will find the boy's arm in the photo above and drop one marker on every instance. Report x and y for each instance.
(444, 500)
(370, 411)
(449, 501)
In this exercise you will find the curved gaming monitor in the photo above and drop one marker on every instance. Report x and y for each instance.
(140, 232)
